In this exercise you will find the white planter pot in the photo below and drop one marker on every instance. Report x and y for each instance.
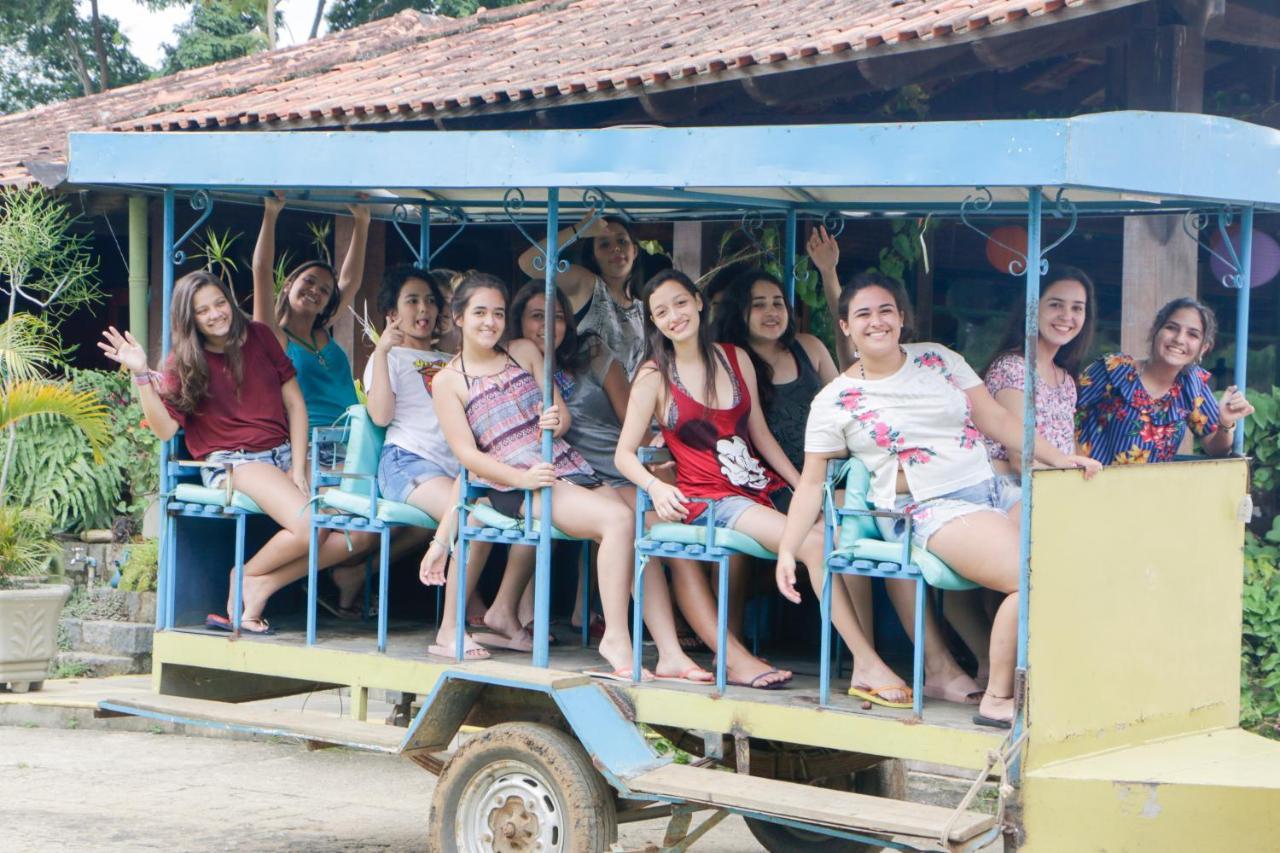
(29, 633)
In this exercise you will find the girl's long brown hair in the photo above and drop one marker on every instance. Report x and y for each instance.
(187, 356)
(1070, 355)
(325, 317)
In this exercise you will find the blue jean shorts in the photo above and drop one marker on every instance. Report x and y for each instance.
(401, 471)
(729, 509)
(281, 457)
(997, 494)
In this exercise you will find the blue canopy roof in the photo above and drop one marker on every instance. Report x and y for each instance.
(1108, 161)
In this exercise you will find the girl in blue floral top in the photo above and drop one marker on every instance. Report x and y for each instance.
(1132, 411)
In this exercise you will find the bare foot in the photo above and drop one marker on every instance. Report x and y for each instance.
(959, 688)
(880, 676)
(759, 677)
(350, 581)
(444, 646)
(996, 707)
(615, 647)
(678, 665)
(505, 624)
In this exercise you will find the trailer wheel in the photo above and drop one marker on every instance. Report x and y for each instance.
(520, 787)
(887, 779)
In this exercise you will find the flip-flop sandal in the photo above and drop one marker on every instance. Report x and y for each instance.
(265, 631)
(521, 641)
(872, 695)
(468, 653)
(755, 684)
(552, 640)
(983, 720)
(618, 674)
(688, 676)
(218, 623)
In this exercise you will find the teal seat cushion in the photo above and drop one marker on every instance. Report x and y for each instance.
(936, 573)
(483, 515)
(364, 449)
(194, 493)
(389, 512)
(696, 534)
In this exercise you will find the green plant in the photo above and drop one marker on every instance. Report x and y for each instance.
(138, 574)
(280, 272)
(215, 250)
(26, 547)
(1260, 652)
(320, 232)
(54, 466)
(70, 669)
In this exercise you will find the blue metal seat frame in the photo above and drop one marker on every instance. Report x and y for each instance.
(197, 501)
(339, 518)
(504, 530)
(854, 559)
(656, 543)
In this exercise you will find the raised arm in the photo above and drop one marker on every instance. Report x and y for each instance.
(264, 259)
(824, 252)
(576, 281)
(352, 272)
(381, 398)
(124, 349)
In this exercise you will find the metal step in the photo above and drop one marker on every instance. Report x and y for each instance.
(809, 804)
(312, 728)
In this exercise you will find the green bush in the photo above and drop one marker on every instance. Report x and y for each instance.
(53, 465)
(138, 573)
(1260, 655)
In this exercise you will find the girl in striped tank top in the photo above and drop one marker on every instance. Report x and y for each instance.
(488, 400)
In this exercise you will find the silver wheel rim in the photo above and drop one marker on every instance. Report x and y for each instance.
(508, 807)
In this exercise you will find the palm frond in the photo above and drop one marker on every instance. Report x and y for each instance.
(24, 400)
(29, 348)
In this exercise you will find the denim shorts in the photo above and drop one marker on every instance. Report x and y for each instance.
(281, 457)
(729, 509)
(997, 494)
(401, 471)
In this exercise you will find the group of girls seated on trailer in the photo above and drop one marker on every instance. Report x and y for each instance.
(750, 410)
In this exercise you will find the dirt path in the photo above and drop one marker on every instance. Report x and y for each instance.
(123, 791)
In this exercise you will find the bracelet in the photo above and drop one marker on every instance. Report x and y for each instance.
(649, 484)
(143, 379)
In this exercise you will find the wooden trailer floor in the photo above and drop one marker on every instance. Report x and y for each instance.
(345, 654)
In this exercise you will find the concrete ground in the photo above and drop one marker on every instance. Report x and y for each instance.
(72, 790)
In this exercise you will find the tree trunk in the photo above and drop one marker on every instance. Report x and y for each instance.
(104, 74)
(271, 24)
(73, 49)
(315, 22)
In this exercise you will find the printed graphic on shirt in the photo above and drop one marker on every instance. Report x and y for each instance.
(738, 465)
(853, 401)
(427, 370)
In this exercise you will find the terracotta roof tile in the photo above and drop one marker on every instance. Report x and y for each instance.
(413, 65)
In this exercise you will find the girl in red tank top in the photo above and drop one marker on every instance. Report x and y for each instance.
(724, 452)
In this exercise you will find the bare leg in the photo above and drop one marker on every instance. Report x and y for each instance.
(693, 592)
(966, 611)
(983, 547)
(502, 617)
(941, 672)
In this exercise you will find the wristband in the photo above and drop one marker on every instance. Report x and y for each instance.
(144, 378)
(649, 484)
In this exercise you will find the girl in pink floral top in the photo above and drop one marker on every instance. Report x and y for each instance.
(1066, 324)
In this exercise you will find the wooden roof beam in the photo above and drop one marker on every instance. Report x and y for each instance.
(1015, 50)
(1241, 24)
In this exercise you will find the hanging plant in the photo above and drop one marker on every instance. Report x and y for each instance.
(215, 252)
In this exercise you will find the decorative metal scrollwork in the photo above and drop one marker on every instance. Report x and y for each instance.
(200, 201)
(595, 200)
(399, 216)
(512, 203)
(1195, 221)
(1063, 208)
(833, 221)
(753, 223)
(979, 202)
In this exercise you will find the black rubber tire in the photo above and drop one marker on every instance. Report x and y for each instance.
(578, 791)
(885, 779)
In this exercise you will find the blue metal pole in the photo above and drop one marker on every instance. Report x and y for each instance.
(424, 237)
(542, 570)
(1242, 316)
(167, 576)
(1031, 330)
(789, 258)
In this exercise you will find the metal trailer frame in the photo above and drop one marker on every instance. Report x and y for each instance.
(1132, 163)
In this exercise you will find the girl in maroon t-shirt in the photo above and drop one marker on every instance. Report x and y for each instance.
(230, 386)
(704, 397)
